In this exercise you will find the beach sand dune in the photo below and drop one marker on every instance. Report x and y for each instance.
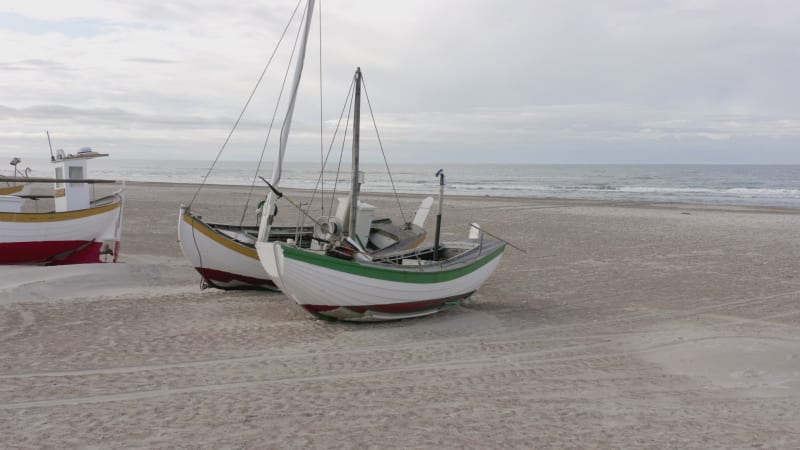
(624, 325)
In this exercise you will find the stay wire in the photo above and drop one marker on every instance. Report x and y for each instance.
(341, 151)
(330, 149)
(385, 161)
(321, 122)
(322, 156)
(272, 121)
(247, 103)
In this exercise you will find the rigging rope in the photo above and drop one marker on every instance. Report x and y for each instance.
(385, 161)
(321, 122)
(323, 158)
(330, 148)
(272, 121)
(344, 140)
(349, 102)
(247, 103)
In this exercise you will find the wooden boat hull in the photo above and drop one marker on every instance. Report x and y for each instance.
(223, 262)
(56, 238)
(347, 290)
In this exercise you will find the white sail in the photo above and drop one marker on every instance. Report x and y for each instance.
(224, 254)
(266, 219)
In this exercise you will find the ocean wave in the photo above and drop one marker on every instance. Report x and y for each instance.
(743, 191)
(753, 185)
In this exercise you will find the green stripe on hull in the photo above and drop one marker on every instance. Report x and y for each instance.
(400, 274)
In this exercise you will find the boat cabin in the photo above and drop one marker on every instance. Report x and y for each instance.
(71, 196)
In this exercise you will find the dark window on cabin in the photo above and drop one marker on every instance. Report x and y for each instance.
(75, 173)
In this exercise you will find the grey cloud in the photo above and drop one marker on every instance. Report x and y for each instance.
(121, 117)
(576, 79)
(152, 60)
(188, 13)
(33, 65)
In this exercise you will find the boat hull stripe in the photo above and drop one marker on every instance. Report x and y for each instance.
(222, 279)
(198, 225)
(394, 308)
(43, 252)
(403, 274)
(12, 190)
(58, 216)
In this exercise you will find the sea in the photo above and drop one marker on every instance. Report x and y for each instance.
(768, 185)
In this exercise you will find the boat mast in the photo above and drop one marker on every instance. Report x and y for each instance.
(269, 205)
(440, 174)
(52, 158)
(356, 182)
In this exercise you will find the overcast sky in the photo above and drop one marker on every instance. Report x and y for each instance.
(498, 81)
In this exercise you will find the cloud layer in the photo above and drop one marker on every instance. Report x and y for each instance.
(472, 81)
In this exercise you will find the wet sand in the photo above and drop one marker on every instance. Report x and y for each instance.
(624, 325)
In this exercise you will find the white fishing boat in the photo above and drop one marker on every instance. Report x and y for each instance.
(79, 230)
(225, 254)
(226, 257)
(336, 277)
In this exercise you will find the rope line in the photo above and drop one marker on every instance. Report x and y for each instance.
(328, 154)
(247, 103)
(322, 160)
(344, 141)
(383, 153)
(272, 121)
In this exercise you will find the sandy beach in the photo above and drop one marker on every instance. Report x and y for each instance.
(625, 325)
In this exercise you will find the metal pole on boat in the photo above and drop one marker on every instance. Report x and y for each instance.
(279, 194)
(52, 158)
(14, 162)
(439, 174)
(356, 185)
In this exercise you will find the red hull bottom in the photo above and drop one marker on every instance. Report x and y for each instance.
(53, 253)
(401, 310)
(226, 280)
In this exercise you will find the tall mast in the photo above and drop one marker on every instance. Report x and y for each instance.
(267, 217)
(356, 182)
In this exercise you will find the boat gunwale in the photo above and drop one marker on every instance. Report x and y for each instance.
(112, 202)
(196, 223)
(211, 231)
(429, 273)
